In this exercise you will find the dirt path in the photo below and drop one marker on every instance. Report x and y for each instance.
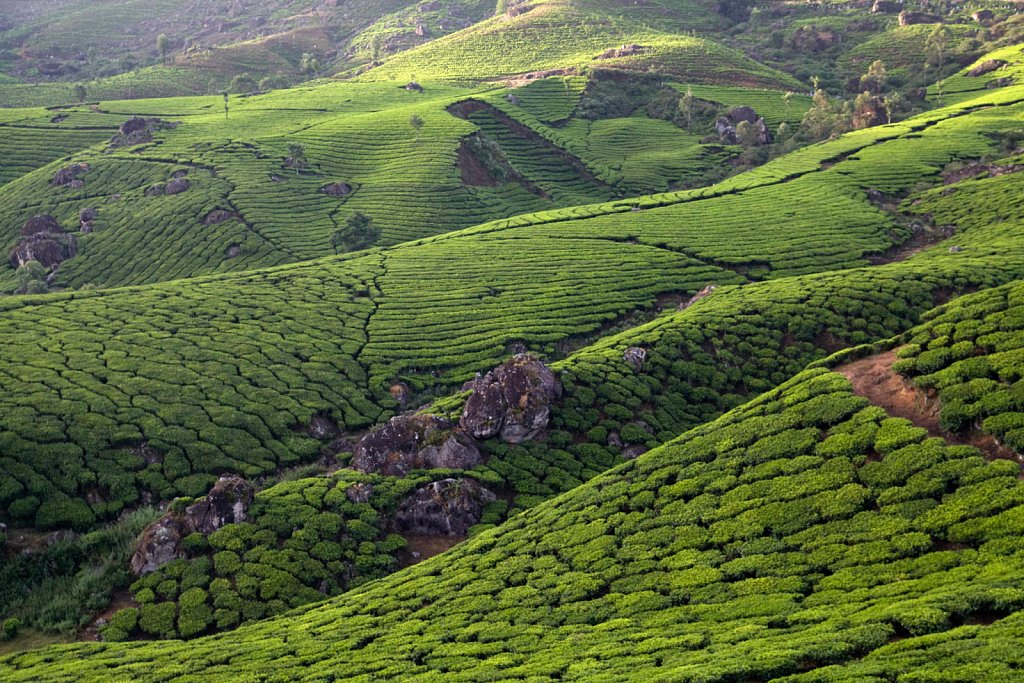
(874, 379)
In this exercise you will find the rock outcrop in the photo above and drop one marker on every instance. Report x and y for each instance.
(513, 400)
(43, 240)
(910, 18)
(988, 66)
(138, 130)
(158, 545)
(983, 16)
(411, 442)
(226, 503)
(443, 508)
(886, 7)
(337, 190)
(975, 168)
(69, 176)
(726, 127)
(635, 357)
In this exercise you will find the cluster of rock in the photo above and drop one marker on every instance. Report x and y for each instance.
(43, 240)
(625, 51)
(176, 185)
(976, 168)
(512, 401)
(726, 126)
(338, 189)
(138, 130)
(70, 176)
(227, 503)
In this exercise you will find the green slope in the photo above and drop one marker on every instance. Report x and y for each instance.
(574, 34)
(93, 375)
(805, 536)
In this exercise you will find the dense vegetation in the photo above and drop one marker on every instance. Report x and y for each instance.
(692, 212)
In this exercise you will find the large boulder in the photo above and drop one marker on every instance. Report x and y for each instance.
(513, 400)
(43, 240)
(158, 545)
(443, 508)
(886, 7)
(226, 503)
(912, 18)
(725, 126)
(415, 442)
(988, 66)
(69, 175)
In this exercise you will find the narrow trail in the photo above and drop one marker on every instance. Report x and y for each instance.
(874, 379)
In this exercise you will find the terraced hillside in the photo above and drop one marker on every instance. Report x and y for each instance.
(248, 204)
(539, 281)
(675, 392)
(806, 536)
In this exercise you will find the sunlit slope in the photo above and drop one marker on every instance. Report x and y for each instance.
(570, 34)
(220, 374)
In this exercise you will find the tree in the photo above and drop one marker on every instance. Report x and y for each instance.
(225, 94)
(297, 155)
(825, 118)
(935, 47)
(31, 278)
(80, 92)
(242, 84)
(310, 64)
(501, 8)
(876, 78)
(747, 134)
(895, 105)
(163, 45)
(275, 82)
(787, 99)
(686, 108)
(416, 121)
(358, 233)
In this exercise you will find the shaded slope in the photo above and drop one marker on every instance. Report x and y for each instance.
(759, 546)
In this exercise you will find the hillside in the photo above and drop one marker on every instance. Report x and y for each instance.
(584, 340)
(806, 536)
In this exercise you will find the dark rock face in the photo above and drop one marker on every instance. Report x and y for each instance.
(726, 125)
(218, 216)
(988, 66)
(911, 18)
(443, 508)
(337, 190)
(68, 175)
(983, 15)
(513, 400)
(226, 503)
(974, 169)
(414, 87)
(177, 186)
(1000, 82)
(158, 545)
(408, 442)
(233, 251)
(87, 215)
(45, 241)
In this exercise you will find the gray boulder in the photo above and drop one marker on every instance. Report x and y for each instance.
(513, 400)
(158, 545)
(226, 503)
(415, 442)
(443, 508)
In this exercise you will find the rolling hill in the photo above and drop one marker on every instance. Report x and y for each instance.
(563, 340)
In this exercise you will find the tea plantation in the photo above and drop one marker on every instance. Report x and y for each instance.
(577, 340)
(216, 374)
(792, 537)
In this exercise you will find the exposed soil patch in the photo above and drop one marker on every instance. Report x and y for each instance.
(474, 172)
(519, 80)
(918, 242)
(874, 379)
(424, 547)
(121, 599)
